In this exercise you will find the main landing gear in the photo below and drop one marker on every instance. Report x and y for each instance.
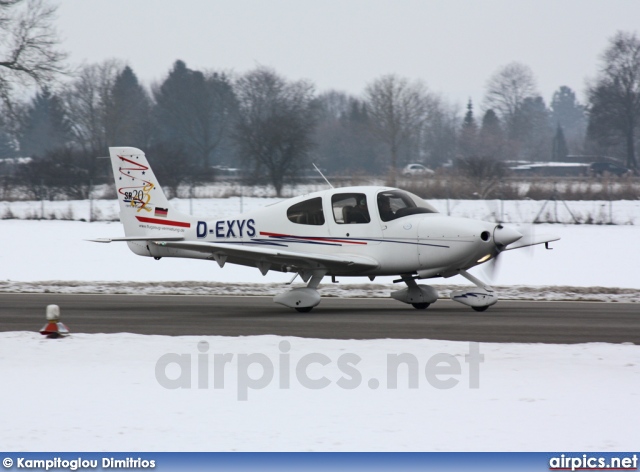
(305, 298)
(418, 296)
(420, 306)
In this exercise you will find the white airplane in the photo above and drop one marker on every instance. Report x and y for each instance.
(343, 232)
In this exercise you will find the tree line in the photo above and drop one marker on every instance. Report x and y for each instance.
(191, 122)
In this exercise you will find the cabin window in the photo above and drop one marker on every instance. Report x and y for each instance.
(308, 212)
(350, 208)
(393, 204)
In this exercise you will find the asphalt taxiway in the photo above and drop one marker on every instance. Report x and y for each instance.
(334, 318)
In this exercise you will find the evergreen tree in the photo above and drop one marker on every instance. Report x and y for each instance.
(7, 144)
(469, 121)
(343, 142)
(194, 111)
(569, 114)
(44, 126)
(559, 151)
(128, 122)
(531, 130)
(492, 141)
(468, 134)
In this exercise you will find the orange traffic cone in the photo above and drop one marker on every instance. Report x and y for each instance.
(54, 327)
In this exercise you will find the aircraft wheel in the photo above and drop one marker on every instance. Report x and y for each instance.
(480, 308)
(420, 306)
(304, 309)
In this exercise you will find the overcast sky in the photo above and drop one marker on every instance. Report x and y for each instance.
(454, 46)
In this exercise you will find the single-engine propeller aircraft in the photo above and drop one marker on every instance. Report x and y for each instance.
(343, 232)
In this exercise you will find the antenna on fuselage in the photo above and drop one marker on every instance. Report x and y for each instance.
(319, 172)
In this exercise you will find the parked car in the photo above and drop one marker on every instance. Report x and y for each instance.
(601, 168)
(416, 169)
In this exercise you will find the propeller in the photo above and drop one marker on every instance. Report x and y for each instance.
(502, 237)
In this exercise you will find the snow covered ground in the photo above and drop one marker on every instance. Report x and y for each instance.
(32, 250)
(622, 212)
(109, 392)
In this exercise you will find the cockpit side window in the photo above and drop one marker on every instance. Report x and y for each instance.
(393, 204)
(350, 208)
(308, 212)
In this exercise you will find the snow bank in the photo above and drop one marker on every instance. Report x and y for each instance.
(365, 290)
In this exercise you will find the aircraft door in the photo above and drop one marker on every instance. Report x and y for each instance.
(353, 219)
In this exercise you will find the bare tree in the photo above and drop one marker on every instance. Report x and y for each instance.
(59, 174)
(398, 110)
(275, 124)
(481, 173)
(173, 168)
(87, 100)
(615, 95)
(28, 45)
(508, 88)
(438, 138)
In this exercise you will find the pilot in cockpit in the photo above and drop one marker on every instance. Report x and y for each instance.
(384, 206)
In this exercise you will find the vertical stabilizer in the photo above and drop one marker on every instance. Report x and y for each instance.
(144, 208)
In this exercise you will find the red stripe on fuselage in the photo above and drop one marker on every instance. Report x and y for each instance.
(158, 221)
(311, 238)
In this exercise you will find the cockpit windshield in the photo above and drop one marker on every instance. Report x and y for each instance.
(394, 204)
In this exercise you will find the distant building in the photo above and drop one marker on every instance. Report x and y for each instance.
(551, 169)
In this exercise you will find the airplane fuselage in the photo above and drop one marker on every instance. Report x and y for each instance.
(429, 244)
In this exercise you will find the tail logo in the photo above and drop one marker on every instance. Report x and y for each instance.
(138, 196)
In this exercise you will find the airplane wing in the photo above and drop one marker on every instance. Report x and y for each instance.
(136, 238)
(532, 240)
(266, 258)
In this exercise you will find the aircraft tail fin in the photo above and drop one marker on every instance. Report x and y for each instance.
(144, 208)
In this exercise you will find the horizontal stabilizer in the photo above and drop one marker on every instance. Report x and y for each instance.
(532, 240)
(136, 238)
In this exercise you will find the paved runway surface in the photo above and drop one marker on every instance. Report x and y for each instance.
(508, 321)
